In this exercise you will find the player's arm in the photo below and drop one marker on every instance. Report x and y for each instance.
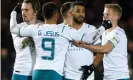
(98, 59)
(88, 69)
(100, 48)
(103, 49)
(20, 29)
(106, 24)
(13, 21)
(95, 48)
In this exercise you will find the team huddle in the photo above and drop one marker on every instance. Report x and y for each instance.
(46, 50)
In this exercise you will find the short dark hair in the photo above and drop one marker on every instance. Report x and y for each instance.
(65, 8)
(49, 9)
(77, 3)
(35, 4)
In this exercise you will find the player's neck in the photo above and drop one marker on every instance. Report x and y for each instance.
(114, 25)
(76, 25)
(65, 22)
(34, 21)
(50, 21)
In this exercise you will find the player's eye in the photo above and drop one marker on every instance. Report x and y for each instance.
(26, 10)
(78, 11)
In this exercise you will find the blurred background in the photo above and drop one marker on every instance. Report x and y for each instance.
(94, 13)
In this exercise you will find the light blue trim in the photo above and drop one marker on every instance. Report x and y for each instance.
(124, 79)
(21, 77)
(46, 75)
(82, 36)
(68, 79)
(63, 28)
(113, 46)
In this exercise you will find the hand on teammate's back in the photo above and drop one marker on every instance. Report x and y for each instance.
(18, 8)
(106, 24)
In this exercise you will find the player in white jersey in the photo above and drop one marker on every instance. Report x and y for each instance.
(71, 57)
(65, 12)
(78, 56)
(51, 43)
(25, 53)
(114, 46)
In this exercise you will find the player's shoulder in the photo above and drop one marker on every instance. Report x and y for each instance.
(62, 25)
(39, 23)
(23, 23)
(119, 31)
(89, 26)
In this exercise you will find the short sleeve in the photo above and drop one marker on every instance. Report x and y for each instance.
(114, 39)
(70, 33)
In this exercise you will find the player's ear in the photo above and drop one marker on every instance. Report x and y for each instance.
(69, 14)
(35, 13)
(56, 15)
(117, 17)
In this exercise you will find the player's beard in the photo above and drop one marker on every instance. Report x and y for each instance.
(78, 20)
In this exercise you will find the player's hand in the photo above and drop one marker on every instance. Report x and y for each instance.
(106, 24)
(76, 43)
(80, 44)
(18, 8)
(87, 70)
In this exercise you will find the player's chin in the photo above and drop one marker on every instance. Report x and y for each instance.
(80, 21)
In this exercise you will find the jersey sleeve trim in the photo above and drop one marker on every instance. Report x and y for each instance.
(82, 36)
(63, 29)
(113, 46)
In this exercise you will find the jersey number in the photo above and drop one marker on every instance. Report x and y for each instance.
(51, 49)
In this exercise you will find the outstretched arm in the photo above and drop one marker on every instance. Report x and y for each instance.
(103, 49)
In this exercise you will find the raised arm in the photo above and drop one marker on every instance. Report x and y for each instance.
(14, 27)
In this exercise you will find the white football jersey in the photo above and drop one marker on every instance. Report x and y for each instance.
(115, 62)
(78, 56)
(25, 57)
(51, 43)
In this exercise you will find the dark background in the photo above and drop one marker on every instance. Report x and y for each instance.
(94, 13)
